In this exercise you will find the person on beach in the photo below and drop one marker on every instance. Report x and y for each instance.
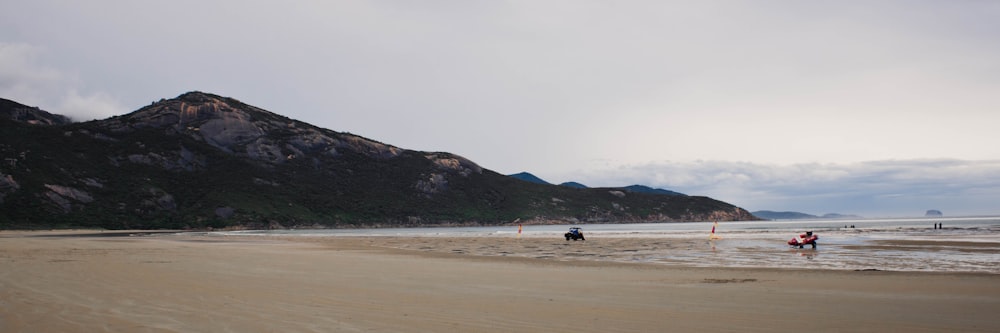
(806, 239)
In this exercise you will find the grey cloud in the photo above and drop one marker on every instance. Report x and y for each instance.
(22, 77)
(876, 188)
(25, 79)
(551, 86)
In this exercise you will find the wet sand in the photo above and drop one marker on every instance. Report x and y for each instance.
(188, 283)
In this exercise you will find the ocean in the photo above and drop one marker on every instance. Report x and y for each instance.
(962, 244)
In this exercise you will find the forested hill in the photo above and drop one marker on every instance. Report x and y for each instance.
(206, 161)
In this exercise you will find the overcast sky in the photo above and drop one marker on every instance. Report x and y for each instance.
(876, 108)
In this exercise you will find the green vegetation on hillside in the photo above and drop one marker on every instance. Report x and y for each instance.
(203, 161)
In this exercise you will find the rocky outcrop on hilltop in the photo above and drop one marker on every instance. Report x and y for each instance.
(29, 115)
(243, 130)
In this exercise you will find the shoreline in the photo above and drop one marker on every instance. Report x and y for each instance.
(181, 283)
(919, 255)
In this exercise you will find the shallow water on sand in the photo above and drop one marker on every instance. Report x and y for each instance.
(970, 244)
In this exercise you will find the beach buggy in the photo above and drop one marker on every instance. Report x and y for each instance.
(806, 239)
(574, 234)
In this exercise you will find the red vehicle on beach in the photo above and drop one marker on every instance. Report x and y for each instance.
(806, 239)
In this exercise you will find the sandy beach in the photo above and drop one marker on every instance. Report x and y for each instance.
(132, 282)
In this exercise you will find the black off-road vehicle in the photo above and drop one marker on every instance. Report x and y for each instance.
(574, 234)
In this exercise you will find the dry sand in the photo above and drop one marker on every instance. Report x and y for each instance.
(187, 283)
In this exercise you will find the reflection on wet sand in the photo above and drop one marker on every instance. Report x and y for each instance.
(903, 255)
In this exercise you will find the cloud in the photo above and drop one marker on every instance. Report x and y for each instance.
(555, 86)
(24, 79)
(874, 188)
(94, 106)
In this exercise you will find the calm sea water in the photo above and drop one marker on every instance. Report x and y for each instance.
(964, 244)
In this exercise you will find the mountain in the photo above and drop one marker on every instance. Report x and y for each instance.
(771, 215)
(573, 185)
(18, 112)
(840, 216)
(205, 161)
(528, 177)
(650, 190)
